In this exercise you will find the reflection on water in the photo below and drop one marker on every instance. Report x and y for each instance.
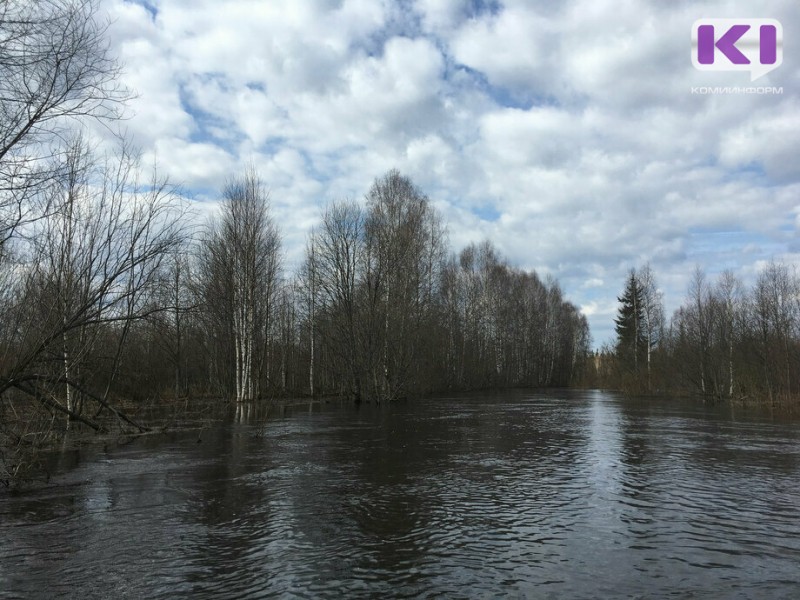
(580, 494)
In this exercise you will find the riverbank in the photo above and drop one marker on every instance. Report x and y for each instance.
(28, 438)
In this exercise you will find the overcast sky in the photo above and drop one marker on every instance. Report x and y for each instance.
(565, 132)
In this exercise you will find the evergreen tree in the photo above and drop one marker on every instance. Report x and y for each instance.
(630, 327)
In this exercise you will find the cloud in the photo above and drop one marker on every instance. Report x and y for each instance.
(565, 132)
(509, 47)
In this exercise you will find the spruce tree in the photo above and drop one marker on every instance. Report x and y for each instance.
(631, 335)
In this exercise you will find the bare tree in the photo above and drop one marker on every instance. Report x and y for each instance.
(730, 297)
(90, 268)
(170, 326)
(312, 310)
(339, 259)
(55, 67)
(652, 314)
(700, 322)
(406, 252)
(241, 266)
(774, 309)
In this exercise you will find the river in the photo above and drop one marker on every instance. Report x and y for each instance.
(534, 495)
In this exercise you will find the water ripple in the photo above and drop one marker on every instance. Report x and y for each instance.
(580, 495)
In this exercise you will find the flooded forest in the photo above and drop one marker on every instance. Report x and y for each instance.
(248, 387)
(115, 294)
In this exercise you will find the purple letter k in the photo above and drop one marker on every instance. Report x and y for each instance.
(726, 44)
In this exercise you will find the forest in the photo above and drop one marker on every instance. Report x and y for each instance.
(115, 295)
(726, 342)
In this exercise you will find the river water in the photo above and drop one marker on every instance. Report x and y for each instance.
(532, 495)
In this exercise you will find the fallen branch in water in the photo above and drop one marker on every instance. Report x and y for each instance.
(29, 388)
(50, 402)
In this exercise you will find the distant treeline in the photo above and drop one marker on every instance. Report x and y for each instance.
(726, 342)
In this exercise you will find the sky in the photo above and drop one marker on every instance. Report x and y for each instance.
(567, 133)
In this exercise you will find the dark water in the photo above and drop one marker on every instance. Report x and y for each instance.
(523, 495)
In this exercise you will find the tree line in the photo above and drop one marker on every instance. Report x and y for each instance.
(394, 313)
(112, 293)
(727, 341)
(113, 296)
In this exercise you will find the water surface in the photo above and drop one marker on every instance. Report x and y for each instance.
(574, 494)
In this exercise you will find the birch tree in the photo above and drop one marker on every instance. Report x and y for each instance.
(337, 253)
(311, 285)
(776, 319)
(730, 297)
(405, 251)
(652, 314)
(241, 256)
